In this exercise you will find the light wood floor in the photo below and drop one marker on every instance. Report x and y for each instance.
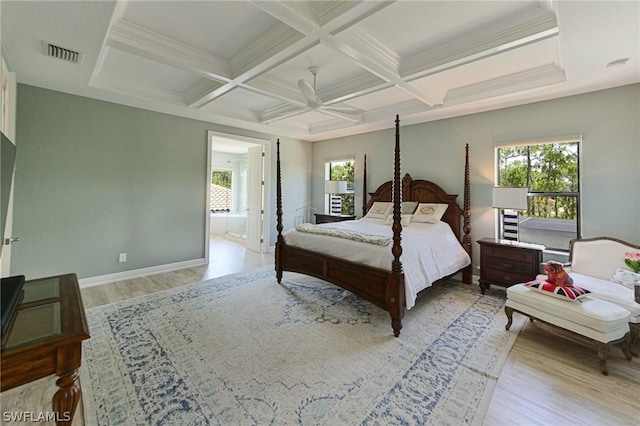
(550, 378)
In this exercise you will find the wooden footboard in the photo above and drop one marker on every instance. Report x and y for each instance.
(384, 288)
(378, 286)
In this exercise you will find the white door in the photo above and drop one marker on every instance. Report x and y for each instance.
(255, 186)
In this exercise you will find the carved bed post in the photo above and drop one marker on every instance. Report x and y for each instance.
(466, 215)
(364, 188)
(279, 241)
(396, 297)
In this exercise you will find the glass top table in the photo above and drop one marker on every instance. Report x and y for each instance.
(45, 338)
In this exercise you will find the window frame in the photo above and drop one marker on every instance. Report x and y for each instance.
(577, 138)
(328, 165)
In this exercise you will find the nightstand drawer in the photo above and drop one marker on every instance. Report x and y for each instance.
(505, 277)
(509, 253)
(506, 263)
(511, 266)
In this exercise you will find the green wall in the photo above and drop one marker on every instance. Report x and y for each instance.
(608, 120)
(95, 179)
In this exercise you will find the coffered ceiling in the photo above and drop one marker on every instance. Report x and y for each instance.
(239, 63)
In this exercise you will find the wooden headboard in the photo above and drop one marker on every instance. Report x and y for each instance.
(422, 191)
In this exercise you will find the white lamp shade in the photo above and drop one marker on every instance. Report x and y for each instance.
(510, 198)
(335, 186)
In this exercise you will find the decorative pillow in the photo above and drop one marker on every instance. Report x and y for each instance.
(379, 210)
(405, 219)
(625, 277)
(568, 292)
(408, 207)
(556, 273)
(429, 212)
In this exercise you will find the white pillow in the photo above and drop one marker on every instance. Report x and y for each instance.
(405, 219)
(429, 212)
(625, 277)
(379, 210)
(408, 207)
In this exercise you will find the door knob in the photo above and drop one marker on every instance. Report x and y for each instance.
(8, 241)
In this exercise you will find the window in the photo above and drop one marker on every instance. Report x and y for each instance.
(551, 171)
(220, 191)
(340, 170)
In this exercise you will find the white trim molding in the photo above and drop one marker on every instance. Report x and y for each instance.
(137, 273)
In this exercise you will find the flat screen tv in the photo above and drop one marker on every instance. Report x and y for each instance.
(7, 164)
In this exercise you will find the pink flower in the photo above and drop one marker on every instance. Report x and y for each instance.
(632, 260)
(632, 256)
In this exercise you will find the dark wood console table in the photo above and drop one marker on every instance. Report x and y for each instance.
(46, 338)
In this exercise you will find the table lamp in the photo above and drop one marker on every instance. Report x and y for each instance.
(335, 187)
(511, 200)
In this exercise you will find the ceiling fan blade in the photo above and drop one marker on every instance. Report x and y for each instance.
(310, 95)
(282, 115)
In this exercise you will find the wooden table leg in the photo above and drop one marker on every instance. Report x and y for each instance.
(65, 400)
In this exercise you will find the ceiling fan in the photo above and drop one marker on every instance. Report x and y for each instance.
(315, 103)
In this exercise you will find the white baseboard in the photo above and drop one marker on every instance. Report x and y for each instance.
(137, 273)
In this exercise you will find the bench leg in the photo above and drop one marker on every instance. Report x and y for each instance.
(634, 344)
(509, 312)
(603, 353)
(625, 346)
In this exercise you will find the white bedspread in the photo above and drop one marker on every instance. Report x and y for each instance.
(429, 251)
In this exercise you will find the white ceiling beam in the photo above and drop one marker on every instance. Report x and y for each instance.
(300, 20)
(376, 58)
(200, 89)
(270, 44)
(504, 85)
(351, 88)
(339, 16)
(140, 41)
(259, 69)
(528, 27)
(337, 114)
(287, 13)
(131, 88)
(525, 28)
(269, 86)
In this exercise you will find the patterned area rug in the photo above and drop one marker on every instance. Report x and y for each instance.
(245, 350)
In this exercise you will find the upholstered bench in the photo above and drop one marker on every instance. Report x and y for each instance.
(603, 322)
(594, 264)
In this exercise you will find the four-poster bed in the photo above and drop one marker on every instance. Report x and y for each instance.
(384, 286)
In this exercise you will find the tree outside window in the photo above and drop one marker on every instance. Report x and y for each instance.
(551, 172)
(344, 170)
(220, 191)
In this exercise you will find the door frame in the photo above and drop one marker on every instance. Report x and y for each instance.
(8, 99)
(266, 188)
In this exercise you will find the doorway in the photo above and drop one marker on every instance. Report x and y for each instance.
(236, 191)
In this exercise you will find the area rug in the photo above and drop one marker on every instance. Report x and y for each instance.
(245, 350)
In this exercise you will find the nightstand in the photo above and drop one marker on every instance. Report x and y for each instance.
(506, 263)
(326, 218)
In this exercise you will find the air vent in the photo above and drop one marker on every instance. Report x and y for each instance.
(62, 53)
